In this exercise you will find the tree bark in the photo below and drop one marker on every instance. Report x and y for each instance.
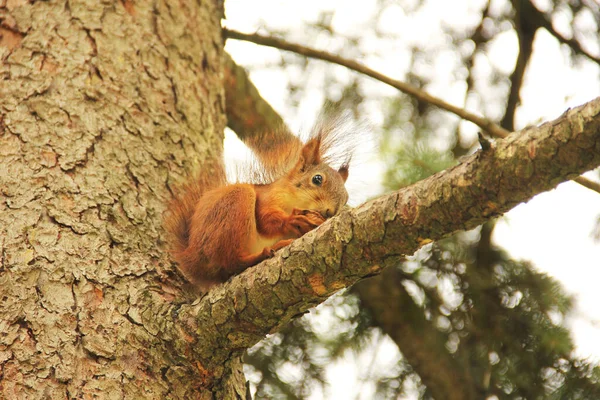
(104, 105)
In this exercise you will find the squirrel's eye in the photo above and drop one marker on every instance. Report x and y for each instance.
(317, 180)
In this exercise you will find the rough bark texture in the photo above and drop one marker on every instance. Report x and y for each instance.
(104, 104)
(361, 242)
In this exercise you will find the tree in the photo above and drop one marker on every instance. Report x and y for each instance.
(105, 106)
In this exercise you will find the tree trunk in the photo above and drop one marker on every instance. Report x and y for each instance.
(104, 105)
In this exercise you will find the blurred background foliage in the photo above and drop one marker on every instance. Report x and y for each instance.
(460, 319)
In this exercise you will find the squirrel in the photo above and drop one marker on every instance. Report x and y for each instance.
(218, 230)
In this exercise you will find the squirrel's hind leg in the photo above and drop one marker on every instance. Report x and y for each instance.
(239, 230)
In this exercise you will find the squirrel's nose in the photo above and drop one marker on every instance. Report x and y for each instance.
(328, 213)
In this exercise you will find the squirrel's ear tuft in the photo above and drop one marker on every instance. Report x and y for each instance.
(309, 154)
(343, 171)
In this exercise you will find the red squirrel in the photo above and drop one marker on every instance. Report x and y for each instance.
(218, 230)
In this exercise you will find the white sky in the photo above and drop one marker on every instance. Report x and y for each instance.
(553, 230)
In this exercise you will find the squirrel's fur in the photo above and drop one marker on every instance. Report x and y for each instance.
(218, 229)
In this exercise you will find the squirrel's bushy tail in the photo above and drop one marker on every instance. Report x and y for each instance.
(181, 208)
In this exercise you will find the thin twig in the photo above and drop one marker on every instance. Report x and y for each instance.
(573, 43)
(482, 122)
(592, 185)
(525, 33)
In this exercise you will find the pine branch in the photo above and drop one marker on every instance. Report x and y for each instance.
(420, 342)
(360, 242)
(421, 95)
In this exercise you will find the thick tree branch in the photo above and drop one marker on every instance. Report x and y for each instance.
(360, 242)
(421, 95)
(247, 111)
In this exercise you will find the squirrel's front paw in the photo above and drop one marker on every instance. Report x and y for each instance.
(314, 216)
(268, 252)
(303, 221)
